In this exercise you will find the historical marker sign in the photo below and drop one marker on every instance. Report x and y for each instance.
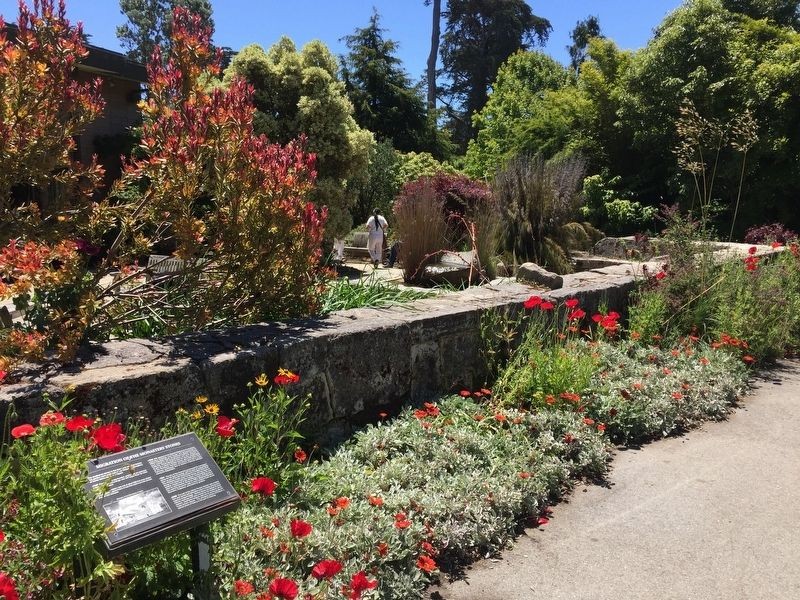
(153, 491)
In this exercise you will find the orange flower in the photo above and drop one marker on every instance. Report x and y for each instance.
(426, 563)
(342, 502)
(383, 548)
(375, 500)
(401, 522)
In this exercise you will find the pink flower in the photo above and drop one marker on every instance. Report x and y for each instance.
(51, 418)
(22, 431)
(263, 485)
(226, 426)
(326, 569)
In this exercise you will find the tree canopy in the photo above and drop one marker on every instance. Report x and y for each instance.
(479, 36)
(298, 93)
(150, 24)
(383, 98)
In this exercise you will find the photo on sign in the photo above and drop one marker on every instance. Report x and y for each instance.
(141, 506)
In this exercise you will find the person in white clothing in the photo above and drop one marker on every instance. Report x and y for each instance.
(376, 225)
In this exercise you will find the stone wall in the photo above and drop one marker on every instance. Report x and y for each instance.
(355, 363)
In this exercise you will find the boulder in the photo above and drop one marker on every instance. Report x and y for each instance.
(536, 274)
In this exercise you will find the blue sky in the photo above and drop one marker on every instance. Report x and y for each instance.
(240, 22)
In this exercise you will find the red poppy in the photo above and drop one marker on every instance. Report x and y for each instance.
(420, 414)
(21, 431)
(360, 584)
(752, 250)
(383, 548)
(601, 427)
(263, 485)
(226, 426)
(375, 500)
(597, 317)
(465, 393)
(571, 303)
(326, 569)
(576, 315)
(546, 305)
(342, 502)
(3, 375)
(300, 528)
(776, 244)
(51, 418)
(486, 392)
(283, 588)
(242, 588)
(660, 275)
(2, 535)
(401, 522)
(532, 302)
(79, 423)
(300, 455)
(426, 563)
(109, 437)
(8, 589)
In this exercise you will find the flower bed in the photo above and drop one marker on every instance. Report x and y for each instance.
(434, 486)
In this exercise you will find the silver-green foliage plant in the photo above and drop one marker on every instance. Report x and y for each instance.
(447, 481)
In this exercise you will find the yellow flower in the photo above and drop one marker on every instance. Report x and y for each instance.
(201, 399)
(181, 411)
(197, 415)
(212, 409)
(262, 380)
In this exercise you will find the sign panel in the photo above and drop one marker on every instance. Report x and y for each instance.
(148, 493)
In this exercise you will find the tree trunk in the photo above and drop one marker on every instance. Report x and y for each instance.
(437, 16)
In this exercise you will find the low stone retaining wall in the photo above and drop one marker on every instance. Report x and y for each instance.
(355, 363)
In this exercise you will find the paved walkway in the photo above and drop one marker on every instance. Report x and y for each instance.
(712, 514)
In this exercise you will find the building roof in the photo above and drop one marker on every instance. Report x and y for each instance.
(101, 61)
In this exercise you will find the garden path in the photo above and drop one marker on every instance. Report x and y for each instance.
(714, 514)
